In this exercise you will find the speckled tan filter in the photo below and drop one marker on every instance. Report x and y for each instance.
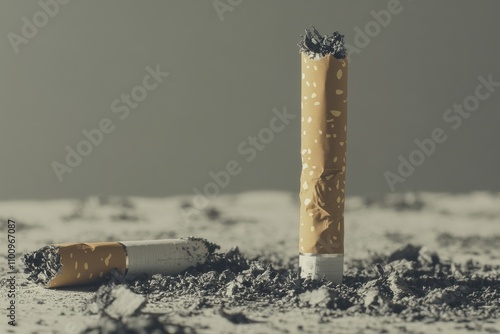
(323, 152)
(86, 263)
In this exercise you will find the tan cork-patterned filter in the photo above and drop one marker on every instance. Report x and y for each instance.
(323, 152)
(85, 263)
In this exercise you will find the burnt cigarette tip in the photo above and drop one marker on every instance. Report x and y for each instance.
(43, 264)
(316, 45)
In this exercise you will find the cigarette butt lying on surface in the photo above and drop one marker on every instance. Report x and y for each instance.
(323, 153)
(73, 264)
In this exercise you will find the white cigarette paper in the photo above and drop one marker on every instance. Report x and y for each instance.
(169, 257)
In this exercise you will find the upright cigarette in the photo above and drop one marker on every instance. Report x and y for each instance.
(85, 263)
(323, 152)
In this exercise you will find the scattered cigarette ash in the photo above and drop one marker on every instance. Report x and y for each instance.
(469, 242)
(236, 318)
(120, 311)
(411, 283)
(43, 264)
(136, 325)
(399, 202)
(210, 214)
(165, 235)
(316, 46)
(226, 279)
(94, 208)
(117, 301)
(398, 237)
(125, 216)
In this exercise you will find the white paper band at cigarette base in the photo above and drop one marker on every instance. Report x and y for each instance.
(168, 257)
(331, 266)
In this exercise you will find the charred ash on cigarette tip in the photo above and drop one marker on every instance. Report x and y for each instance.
(316, 46)
(211, 247)
(42, 265)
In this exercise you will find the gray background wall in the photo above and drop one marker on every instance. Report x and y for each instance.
(226, 76)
